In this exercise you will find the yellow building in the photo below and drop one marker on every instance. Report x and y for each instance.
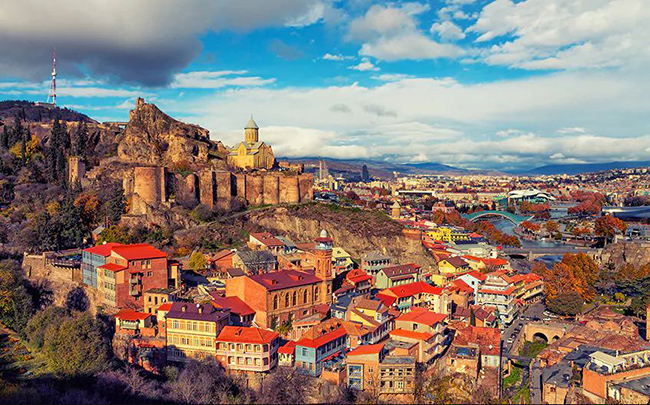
(447, 234)
(251, 153)
(192, 330)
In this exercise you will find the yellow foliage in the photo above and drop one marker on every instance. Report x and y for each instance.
(30, 148)
(52, 208)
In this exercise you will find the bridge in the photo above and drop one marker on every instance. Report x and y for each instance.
(514, 218)
(548, 332)
(532, 253)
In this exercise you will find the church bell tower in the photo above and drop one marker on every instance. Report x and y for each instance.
(252, 131)
(323, 255)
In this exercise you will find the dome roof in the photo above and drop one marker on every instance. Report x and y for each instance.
(251, 124)
(323, 234)
(396, 205)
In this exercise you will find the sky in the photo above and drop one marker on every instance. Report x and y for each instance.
(479, 84)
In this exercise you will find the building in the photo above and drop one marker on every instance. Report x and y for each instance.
(247, 349)
(192, 330)
(370, 367)
(285, 295)
(342, 260)
(603, 375)
(265, 240)
(446, 234)
(421, 294)
(473, 350)
(129, 321)
(535, 196)
(321, 342)
(91, 259)
(287, 354)
(129, 271)
(392, 276)
(427, 329)
(498, 291)
(255, 261)
(359, 280)
(251, 153)
(240, 313)
(154, 297)
(373, 262)
(453, 265)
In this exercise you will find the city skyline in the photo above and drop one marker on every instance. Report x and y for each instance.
(472, 84)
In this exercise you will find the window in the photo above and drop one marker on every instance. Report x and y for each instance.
(232, 346)
(240, 347)
(150, 273)
(304, 297)
(258, 348)
(275, 302)
(286, 300)
(316, 293)
(295, 298)
(258, 362)
(249, 347)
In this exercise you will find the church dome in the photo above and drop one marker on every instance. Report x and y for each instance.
(323, 234)
(251, 124)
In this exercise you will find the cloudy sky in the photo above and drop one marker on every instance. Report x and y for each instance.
(472, 83)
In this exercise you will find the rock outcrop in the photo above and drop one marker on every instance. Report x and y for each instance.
(359, 232)
(153, 137)
(617, 254)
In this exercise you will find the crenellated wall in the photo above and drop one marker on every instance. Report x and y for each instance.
(149, 187)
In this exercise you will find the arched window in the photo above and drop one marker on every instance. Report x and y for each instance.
(295, 298)
(304, 296)
(316, 293)
(275, 302)
(286, 300)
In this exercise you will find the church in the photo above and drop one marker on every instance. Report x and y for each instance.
(251, 154)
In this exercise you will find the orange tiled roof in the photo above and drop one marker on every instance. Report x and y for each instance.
(422, 316)
(424, 336)
(131, 315)
(138, 251)
(367, 349)
(112, 267)
(241, 334)
(102, 250)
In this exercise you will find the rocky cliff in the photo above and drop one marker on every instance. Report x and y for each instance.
(616, 254)
(153, 137)
(357, 231)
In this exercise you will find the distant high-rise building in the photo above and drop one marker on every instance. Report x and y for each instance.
(365, 175)
(322, 170)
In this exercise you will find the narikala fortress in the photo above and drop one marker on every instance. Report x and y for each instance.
(164, 163)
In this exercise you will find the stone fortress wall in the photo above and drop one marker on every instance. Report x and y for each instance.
(152, 187)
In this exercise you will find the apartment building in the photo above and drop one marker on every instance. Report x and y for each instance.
(427, 329)
(499, 291)
(192, 330)
(370, 367)
(247, 349)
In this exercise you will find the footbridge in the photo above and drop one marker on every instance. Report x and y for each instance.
(514, 218)
(532, 253)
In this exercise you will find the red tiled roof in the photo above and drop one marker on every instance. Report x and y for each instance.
(236, 305)
(488, 339)
(509, 291)
(288, 348)
(367, 349)
(102, 250)
(422, 316)
(165, 307)
(407, 290)
(411, 334)
(396, 271)
(138, 251)
(456, 261)
(112, 267)
(131, 315)
(477, 275)
(241, 334)
(282, 279)
(323, 339)
(221, 254)
(495, 262)
(461, 286)
(267, 239)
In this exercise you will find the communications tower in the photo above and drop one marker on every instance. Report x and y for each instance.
(52, 94)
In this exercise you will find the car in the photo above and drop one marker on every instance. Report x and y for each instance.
(513, 336)
(547, 319)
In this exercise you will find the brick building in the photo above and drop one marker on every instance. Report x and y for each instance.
(279, 296)
(371, 368)
(130, 270)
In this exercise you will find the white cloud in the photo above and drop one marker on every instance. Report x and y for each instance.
(390, 33)
(336, 57)
(447, 31)
(392, 77)
(217, 79)
(364, 66)
(565, 34)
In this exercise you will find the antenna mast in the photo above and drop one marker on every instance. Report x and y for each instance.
(52, 94)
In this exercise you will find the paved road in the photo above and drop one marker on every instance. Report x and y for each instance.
(536, 384)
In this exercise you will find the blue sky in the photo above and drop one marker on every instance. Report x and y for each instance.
(490, 84)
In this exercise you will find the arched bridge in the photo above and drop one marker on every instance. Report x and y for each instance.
(514, 218)
(532, 253)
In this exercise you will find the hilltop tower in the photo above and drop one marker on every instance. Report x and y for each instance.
(323, 260)
(52, 93)
(252, 131)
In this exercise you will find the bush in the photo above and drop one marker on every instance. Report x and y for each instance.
(569, 304)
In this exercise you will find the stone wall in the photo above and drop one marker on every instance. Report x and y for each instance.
(149, 187)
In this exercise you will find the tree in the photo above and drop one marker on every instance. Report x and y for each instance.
(552, 227)
(16, 305)
(198, 261)
(203, 382)
(77, 346)
(607, 226)
(77, 300)
(38, 324)
(78, 140)
(285, 386)
(569, 304)
(55, 152)
(116, 204)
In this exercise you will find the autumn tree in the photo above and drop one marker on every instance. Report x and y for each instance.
(16, 305)
(608, 226)
(569, 304)
(198, 261)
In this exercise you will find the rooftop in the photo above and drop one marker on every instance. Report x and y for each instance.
(282, 279)
(246, 335)
(138, 251)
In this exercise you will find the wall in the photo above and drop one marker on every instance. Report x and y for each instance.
(150, 187)
(596, 383)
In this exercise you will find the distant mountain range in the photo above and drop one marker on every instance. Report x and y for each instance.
(580, 168)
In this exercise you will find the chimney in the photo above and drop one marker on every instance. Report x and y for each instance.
(200, 308)
(184, 308)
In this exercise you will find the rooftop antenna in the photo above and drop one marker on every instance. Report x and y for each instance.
(52, 94)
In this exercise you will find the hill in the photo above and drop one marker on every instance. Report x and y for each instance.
(571, 169)
(33, 112)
